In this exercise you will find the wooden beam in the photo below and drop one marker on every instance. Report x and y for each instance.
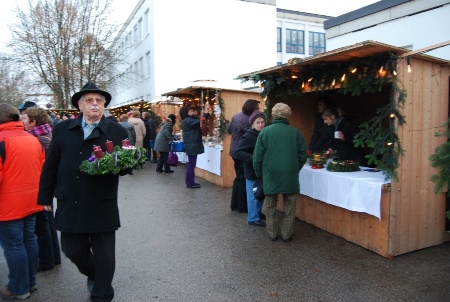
(425, 49)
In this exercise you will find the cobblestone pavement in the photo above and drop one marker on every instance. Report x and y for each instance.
(180, 244)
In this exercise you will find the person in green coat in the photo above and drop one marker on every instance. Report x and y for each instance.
(279, 155)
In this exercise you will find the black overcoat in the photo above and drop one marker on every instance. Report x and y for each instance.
(85, 203)
(244, 152)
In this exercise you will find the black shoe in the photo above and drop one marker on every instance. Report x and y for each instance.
(274, 238)
(287, 239)
(257, 223)
(262, 216)
(197, 186)
(170, 171)
(45, 268)
(159, 171)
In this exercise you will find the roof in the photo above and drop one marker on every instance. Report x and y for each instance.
(192, 90)
(343, 54)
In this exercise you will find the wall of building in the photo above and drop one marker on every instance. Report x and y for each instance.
(408, 25)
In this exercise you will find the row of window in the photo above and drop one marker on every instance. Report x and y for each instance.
(136, 72)
(295, 41)
(136, 35)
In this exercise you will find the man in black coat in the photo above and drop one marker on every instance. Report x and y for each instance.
(87, 213)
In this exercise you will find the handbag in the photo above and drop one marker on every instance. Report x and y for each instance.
(258, 191)
(172, 159)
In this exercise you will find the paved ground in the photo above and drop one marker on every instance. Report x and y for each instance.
(179, 244)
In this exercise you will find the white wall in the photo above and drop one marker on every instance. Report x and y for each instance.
(420, 30)
(204, 39)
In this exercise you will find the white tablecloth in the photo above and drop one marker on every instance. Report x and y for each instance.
(354, 191)
(209, 161)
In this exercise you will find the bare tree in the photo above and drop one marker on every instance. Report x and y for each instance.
(65, 42)
(15, 82)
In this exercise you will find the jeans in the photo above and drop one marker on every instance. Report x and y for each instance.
(254, 206)
(190, 174)
(21, 253)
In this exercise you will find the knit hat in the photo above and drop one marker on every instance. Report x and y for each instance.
(255, 115)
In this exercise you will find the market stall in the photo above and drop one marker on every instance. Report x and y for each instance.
(216, 106)
(403, 99)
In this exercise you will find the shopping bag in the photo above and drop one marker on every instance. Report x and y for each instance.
(172, 159)
(258, 191)
(178, 146)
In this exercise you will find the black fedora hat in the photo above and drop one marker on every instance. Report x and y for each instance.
(89, 87)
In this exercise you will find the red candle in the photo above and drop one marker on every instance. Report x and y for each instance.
(109, 147)
(98, 151)
(125, 143)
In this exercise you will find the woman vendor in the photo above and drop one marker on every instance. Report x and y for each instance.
(342, 138)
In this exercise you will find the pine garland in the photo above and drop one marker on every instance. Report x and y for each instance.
(361, 75)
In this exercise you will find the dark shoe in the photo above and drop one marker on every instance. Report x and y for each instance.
(90, 285)
(197, 186)
(287, 240)
(33, 289)
(274, 238)
(262, 216)
(160, 171)
(45, 268)
(170, 171)
(6, 294)
(153, 161)
(257, 223)
(57, 262)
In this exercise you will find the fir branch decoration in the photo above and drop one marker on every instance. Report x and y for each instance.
(343, 166)
(223, 126)
(440, 160)
(357, 76)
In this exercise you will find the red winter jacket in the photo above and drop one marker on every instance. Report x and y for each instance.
(20, 170)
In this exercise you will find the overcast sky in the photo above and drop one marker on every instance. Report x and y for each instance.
(123, 8)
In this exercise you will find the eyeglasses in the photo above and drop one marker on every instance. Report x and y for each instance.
(90, 101)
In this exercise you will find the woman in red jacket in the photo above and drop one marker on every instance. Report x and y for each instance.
(21, 160)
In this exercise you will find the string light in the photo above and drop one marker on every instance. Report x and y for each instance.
(392, 115)
(294, 76)
(334, 82)
(354, 70)
(408, 61)
(343, 78)
(394, 72)
(303, 85)
(389, 144)
(310, 79)
(381, 69)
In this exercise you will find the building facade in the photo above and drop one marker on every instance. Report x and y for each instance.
(167, 44)
(411, 24)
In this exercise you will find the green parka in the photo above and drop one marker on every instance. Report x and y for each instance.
(279, 155)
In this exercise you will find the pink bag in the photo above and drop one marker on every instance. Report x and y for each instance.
(172, 159)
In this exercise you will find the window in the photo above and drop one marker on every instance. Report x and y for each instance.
(149, 64)
(316, 43)
(278, 39)
(135, 35)
(145, 24)
(141, 68)
(139, 31)
(295, 41)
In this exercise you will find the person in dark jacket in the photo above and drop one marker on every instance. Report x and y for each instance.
(162, 144)
(322, 135)
(151, 124)
(237, 127)
(244, 152)
(343, 135)
(35, 120)
(129, 127)
(193, 144)
(87, 212)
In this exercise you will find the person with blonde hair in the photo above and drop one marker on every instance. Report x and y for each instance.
(279, 155)
(21, 159)
(139, 127)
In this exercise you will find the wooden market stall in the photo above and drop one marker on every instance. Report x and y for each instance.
(217, 106)
(403, 214)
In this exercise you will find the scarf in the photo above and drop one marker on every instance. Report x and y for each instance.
(40, 130)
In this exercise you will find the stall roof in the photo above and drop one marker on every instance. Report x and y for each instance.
(359, 50)
(191, 90)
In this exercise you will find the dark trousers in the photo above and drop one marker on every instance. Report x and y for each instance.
(190, 170)
(47, 238)
(95, 257)
(239, 193)
(162, 161)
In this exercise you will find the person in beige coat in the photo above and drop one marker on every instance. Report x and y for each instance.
(139, 127)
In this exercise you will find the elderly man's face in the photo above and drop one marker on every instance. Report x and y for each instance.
(92, 105)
